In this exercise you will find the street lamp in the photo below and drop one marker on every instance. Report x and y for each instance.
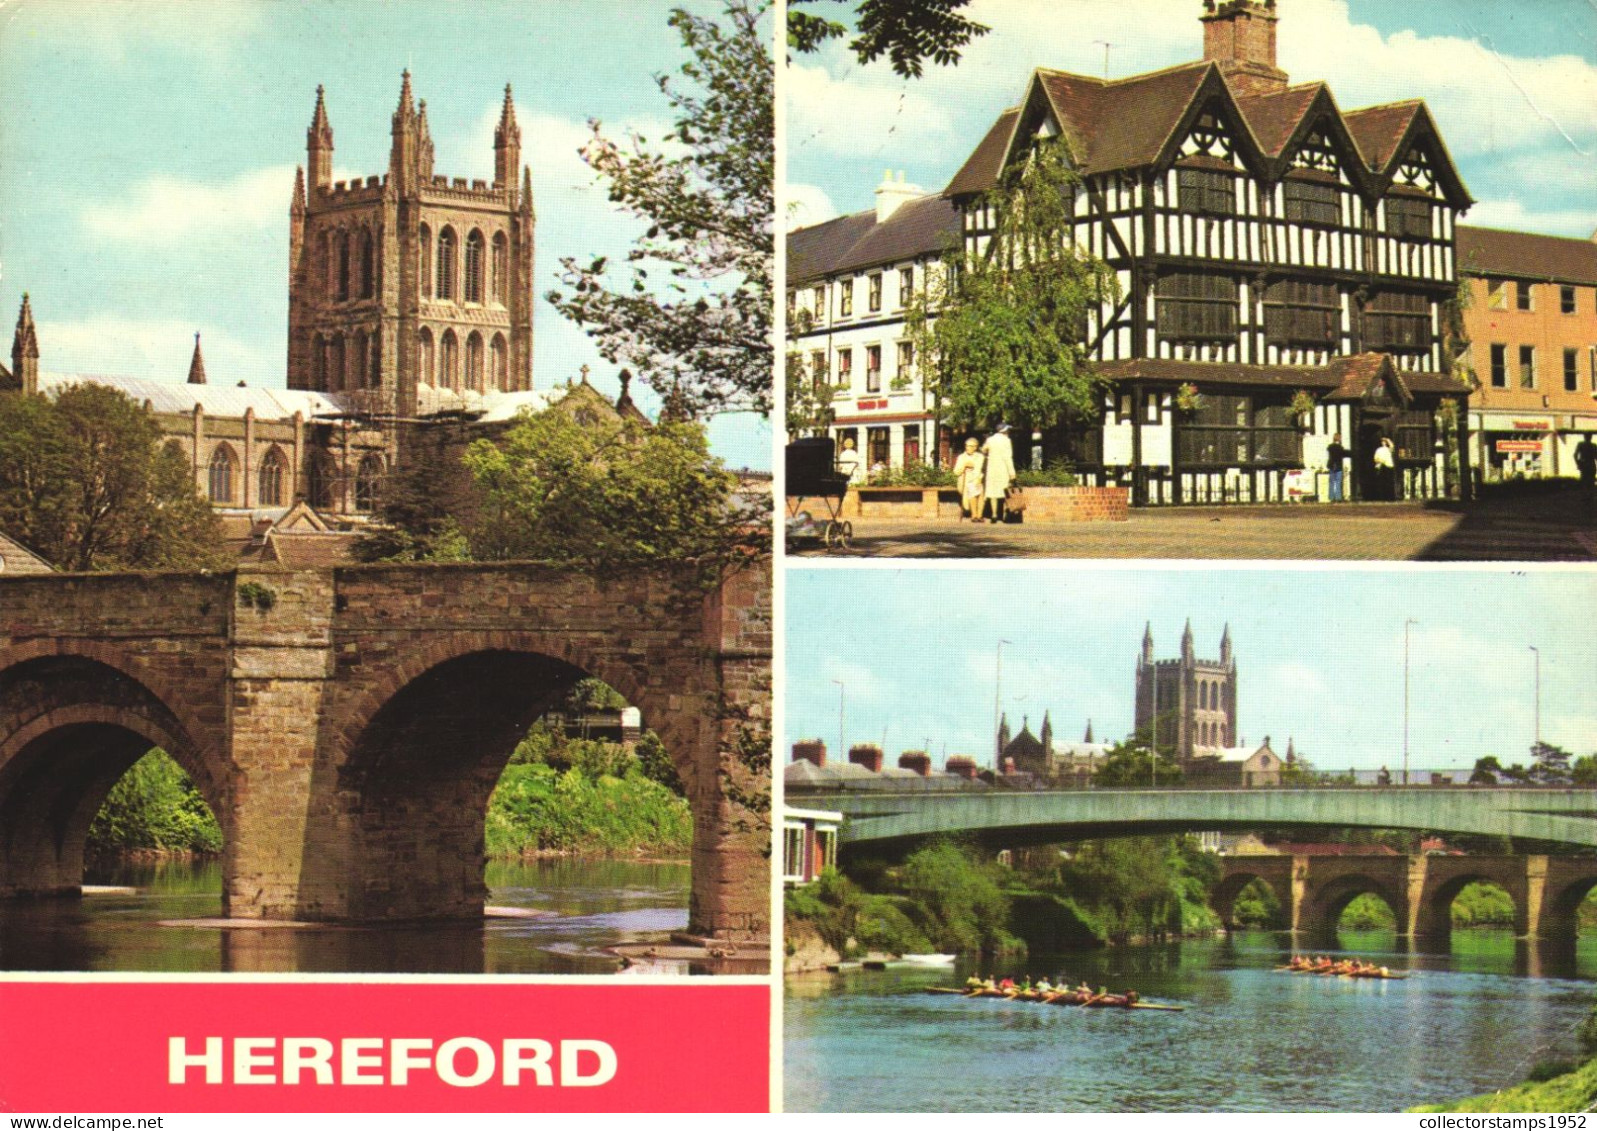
(1537, 653)
(1406, 625)
(842, 694)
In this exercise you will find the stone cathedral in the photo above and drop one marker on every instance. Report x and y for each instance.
(1191, 702)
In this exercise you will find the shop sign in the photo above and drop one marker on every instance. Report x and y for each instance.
(1519, 446)
(1537, 425)
(864, 406)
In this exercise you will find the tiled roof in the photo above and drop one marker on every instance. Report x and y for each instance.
(980, 170)
(1492, 251)
(1378, 129)
(1274, 118)
(1124, 123)
(928, 225)
(15, 558)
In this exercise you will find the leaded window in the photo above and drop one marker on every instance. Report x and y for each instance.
(1413, 433)
(1197, 307)
(1408, 216)
(474, 266)
(1207, 192)
(220, 475)
(1312, 202)
(1398, 323)
(1298, 313)
(446, 264)
(269, 490)
(1239, 431)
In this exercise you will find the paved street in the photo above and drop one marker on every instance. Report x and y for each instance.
(1543, 528)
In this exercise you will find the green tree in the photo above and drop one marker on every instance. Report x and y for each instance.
(1001, 334)
(693, 316)
(603, 496)
(1549, 764)
(810, 405)
(427, 502)
(1486, 771)
(87, 481)
(908, 32)
(961, 895)
(1584, 770)
(155, 806)
(1134, 762)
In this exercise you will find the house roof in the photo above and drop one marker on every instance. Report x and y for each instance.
(1526, 255)
(1343, 377)
(1131, 122)
(927, 225)
(15, 558)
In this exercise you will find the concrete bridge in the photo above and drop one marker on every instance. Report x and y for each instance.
(347, 726)
(1314, 890)
(892, 821)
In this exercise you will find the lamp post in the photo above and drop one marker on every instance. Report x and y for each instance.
(842, 698)
(1406, 625)
(998, 695)
(1535, 651)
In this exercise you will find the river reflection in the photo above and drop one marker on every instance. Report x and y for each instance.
(1471, 1019)
(581, 906)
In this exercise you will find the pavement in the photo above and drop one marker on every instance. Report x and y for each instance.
(1542, 526)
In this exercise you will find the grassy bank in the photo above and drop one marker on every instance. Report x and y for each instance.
(1572, 1091)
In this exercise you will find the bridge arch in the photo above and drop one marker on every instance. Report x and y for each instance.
(70, 727)
(1323, 904)
(416, 760)
(1560, 919)
(1435, 912)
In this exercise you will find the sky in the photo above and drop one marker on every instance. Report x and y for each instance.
(1512, 84)
(1319, 656)
(147, 154)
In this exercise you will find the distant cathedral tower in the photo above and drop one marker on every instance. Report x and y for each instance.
(1193, 702)
(409, 289)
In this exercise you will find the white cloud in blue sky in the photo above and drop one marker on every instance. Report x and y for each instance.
(1512, 85)
(1319, 655)
(147, 152)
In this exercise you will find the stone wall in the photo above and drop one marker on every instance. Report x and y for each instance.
(1076, 504)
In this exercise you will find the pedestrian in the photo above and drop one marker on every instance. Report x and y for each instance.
(1335, 459)
(848, 460)
(1000, 472)
(1385, 470)
(1586, 461)
(968, 470)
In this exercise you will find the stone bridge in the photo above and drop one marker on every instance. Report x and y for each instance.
(347, 726)
(890, 821)
(1314, 890)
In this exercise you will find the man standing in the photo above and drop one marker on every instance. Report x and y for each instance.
(1000, 470)
(1335, 460)
(1586, 460)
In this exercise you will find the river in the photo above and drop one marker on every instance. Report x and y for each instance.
(1469, 1020)
(581, 905)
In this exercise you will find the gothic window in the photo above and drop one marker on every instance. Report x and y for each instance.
(1398, 323)
(362, 359)
(343, 266)
(368, 265)
(322, 480)
(1301, 314)
(330, 262)
(425, 266)
(221, 474)
(1409, 217)
(1206, 192)
(446, 264)
(474, 362)
(319, 362)
(499, 364)
(374, 371)
(448, 373)
(1312, 202)
(368, 484)
(474, 245)
(335, 378)
(1197, 307)
(274, 470)
(500, 261)
(424, 357)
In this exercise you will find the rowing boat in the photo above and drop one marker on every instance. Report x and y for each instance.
(1068, 997)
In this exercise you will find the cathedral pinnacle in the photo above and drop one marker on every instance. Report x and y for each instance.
(297, 208)
(25, 343)
(407, 108)
(321, 129)
(197, 365)
(507, 120)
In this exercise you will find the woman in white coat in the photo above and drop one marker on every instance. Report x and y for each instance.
(968, 470)
(1000, 470)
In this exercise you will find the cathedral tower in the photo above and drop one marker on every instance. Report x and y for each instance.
(1188, 703)
(410, 292)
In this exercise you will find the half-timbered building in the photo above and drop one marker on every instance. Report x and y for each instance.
(1284, 267)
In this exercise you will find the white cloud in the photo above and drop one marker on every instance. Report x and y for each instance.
(118, 29)
(1515, 215)
(806, 205)
(168, 210)
(862, 114)
(156, 348)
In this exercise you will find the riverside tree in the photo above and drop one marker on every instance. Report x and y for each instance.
(86, 482)
(690, 313)
(1001, 335)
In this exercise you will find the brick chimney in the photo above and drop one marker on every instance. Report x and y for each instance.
(811, 750)
(1239, 35)
(891, 195)
(917, 760)
(961, 766)
(866, 754)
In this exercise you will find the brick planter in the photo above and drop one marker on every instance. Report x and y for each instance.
(901, 504)
(1076, 504)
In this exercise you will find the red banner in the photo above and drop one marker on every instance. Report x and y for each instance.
(110, 1047)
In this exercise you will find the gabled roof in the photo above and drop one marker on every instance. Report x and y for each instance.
(1274, 118)
(1359, 374)
(15, 558)
(1378, 129)
(980, 170)
(927, 225)
(1526, 255)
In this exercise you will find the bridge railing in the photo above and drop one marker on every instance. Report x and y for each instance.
(1454, 777)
